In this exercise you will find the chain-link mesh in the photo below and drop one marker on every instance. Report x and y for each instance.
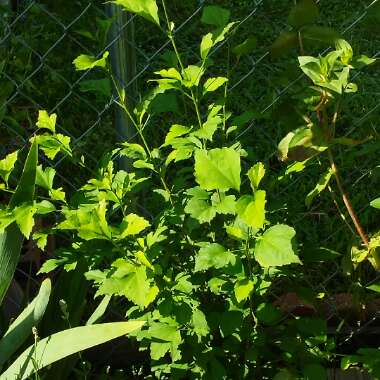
(40, 39)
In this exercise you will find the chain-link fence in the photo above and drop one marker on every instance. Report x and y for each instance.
(40, 39)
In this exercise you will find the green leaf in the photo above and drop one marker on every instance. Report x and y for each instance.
(224, 204)
(304, 13)
(134, 151)
(314, 372)
(65, 343)
(245, 47)
(21, 328)
(144, 8)
(299, 145)
(213, 256)
(374, 287)
(251, 210)
(87, 62)
(24, 216)
(375, 203)
(100, 87)
(346, 52)
(52, 145)
(199, 206)
(192, 75)
(26, 185)
(210, 126)
(321, 185)
(11, 240)
(171, 73)
(199, 323)
(99, 311)
(130, 281)
(45, 177)
(215, 15)
(218, 169)
(7, 165)
(41, 240)
(132, 225)
(243, 289)
(284, 43)
(362, 61)
(176, 131)
(275, 247)
(316, 35)
(212, 84)
(268, 314)
(165, 338)
(203, 208)
(256, 174)
(46, 122)
(88, 220)
(212, 39)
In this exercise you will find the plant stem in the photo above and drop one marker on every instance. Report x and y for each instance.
(346, 199)
(178, 55)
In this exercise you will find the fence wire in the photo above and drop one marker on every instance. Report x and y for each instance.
(39, 40)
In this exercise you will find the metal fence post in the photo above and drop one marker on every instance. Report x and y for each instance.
(123, 62)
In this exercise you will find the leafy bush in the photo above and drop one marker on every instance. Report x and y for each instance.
(181, 229)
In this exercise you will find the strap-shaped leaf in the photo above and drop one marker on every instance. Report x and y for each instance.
(21, 328)
(63, 344)
(11, 240)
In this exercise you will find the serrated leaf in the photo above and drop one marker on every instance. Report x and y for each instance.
(144, 8)
(243, 289)
(41, 239)
(45, 178)
(7, 165)
(304, 13)
(87, 62)
(224, 204)
(88, 221)
(46, 122)
(218, 169)
(199, 206)
(165, 338)
(24, 216)
(275, 247)
(213, 256)
(51, 145)
(130, 281)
